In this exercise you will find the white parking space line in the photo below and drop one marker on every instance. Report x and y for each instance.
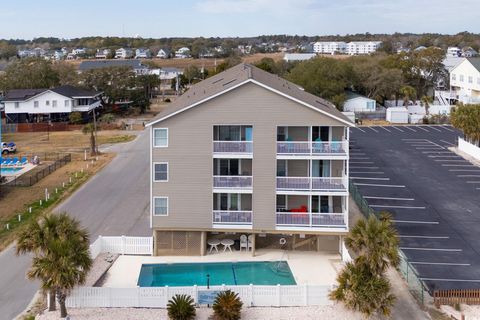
(359, 129)
(372, 129)
(352, 167)
(428, 148)
(441, 263)
(357, 154)
(468, 176)
(430, 249)
(452, 144)
(449, 280)
(463, 170)
(398, 129)
(473, 182)
(361, 158)
(362, 162)
(425, 237)
(367, 172)
(387, 198)
(364, 178)
(444, 156)
(447, 128)
(410, 129)
(458, 165)
(422, 129)
(449, 160)
(437, 152)
(380, 185)
(411, 140)
(384, 128)
(432, 127)
(416, 222)
(397, 207)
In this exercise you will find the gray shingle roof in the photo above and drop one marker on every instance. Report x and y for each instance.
(98, 64)
(22, 94)
(67, 91)
(238, 74)
(71, 92)
(475, 62)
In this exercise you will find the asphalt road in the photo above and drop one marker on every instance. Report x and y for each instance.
(433, 194)
(114, 202)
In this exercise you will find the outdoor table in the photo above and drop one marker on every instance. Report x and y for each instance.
(227, 244)
(213, 243)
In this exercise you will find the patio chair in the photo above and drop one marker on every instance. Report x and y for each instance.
(243, 242)
(14, 162)
(6, 162)
(23, 161)
(250, 242)
(317, 146)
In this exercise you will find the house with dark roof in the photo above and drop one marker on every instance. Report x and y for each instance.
(465, 81)
(244, 155)
(38, 105)
(164, 53)
(135, 64)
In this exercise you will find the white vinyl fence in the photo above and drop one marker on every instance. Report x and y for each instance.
(157, 297)
(122, 245)
(469, 148)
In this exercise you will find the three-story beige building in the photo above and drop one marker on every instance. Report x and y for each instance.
(246, 152)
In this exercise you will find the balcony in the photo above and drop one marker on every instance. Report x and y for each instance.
(233, 147)
(86, 107)
(312, 148)
(232, 217)
(337, 184)
(233, 182)
(310, 220)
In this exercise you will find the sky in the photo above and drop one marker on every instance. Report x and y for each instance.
(29, 19)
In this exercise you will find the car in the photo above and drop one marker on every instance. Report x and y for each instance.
(8, 147)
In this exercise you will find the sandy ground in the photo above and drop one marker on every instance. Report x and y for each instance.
(334, 312)
(126, 269)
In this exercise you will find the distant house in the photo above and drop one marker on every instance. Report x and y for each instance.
(290, 57)
(143, 53)
(79, 51)
(135, 65)
(358, 103)
(363, 47)
(465, 81)
(58, 55)
(163, 53)
(454, 52)
(469, 52)
(123, 53)
(37, 105)
(32, 53)
(182, 53)
(329, 47)
(102, 53)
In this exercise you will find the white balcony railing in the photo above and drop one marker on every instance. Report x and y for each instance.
(309, 219)
(233, 182)
(232, 217)
(305, 148)
(232, 146)
(309, 183)
(86, 107)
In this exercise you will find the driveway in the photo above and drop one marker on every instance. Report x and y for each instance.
(114, 202)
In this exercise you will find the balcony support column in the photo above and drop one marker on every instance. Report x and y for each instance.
(253, 244)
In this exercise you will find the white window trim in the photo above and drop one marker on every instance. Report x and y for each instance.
(160, 215)
(153, 172)
(154, 129)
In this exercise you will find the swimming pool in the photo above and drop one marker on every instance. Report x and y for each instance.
(9, 171)
(228, 273)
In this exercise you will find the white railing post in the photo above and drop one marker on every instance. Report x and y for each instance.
(250, 294)
(124, 245)
(278, 296)
(305, 294)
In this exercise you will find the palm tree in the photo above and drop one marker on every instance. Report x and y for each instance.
(91, 129)
(408, 93)
(426, 100)
(37, 235)
(376, 242)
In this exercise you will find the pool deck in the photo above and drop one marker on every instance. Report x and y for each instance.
(307, 267)
(10, 176)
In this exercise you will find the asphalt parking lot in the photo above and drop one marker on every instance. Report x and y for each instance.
(432, 193)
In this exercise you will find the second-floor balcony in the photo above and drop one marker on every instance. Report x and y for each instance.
(311, 220)
(85, 105)
(312, 184)
(312, 148)
(233, 182)
(232, 217)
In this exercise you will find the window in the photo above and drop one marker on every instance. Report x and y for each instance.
(160, 137)
(54, 103)
(67, 103)
(461, 78)
(478, 80)
(47, 102)
(17, 105)
(470, 79)
(454, 76)
(160, 172)
(160, 206)
(35, 104)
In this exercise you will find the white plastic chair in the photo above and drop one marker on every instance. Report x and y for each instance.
(243, 242)
(250, 242)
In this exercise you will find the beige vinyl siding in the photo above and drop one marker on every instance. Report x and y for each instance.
(190, 159)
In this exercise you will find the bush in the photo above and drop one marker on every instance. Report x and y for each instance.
(181, 307)
(227, 306)
(75, 118)
(107, 118)
(168, 100)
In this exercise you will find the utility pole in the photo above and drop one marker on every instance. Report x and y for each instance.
(95, 131)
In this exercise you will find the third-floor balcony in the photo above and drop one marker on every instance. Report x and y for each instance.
(233, 141)
(319, 184)
(232, 175)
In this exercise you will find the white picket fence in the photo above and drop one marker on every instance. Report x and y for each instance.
(469, 148)
(157, 297)
(122, 245)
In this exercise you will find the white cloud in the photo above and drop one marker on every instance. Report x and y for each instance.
(252, 6)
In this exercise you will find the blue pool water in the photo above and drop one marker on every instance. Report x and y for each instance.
(228, 273)
(8, 171)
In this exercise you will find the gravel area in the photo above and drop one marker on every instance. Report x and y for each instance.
(101, 264)
(333, 312)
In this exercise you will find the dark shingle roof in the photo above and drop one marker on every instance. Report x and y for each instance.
(71, 92)
(98, 64)
(475, 62)
(238, 74)
(67, 91)
(22, 94)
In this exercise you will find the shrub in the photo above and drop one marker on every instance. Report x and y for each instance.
(168, 100)
(181, 307)
(107, 118)
(75, 118)
(227, 306)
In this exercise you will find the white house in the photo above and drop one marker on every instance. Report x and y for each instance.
(329, 47)
(182, 53)
(163, 53)
(454, 52)
(79, 51)
(397, 115)
(143, 53)
(102, 53)
(36, 105)
(465, 81)
(358, 103)
(289, 57)
(362, 47)
(123, 53)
